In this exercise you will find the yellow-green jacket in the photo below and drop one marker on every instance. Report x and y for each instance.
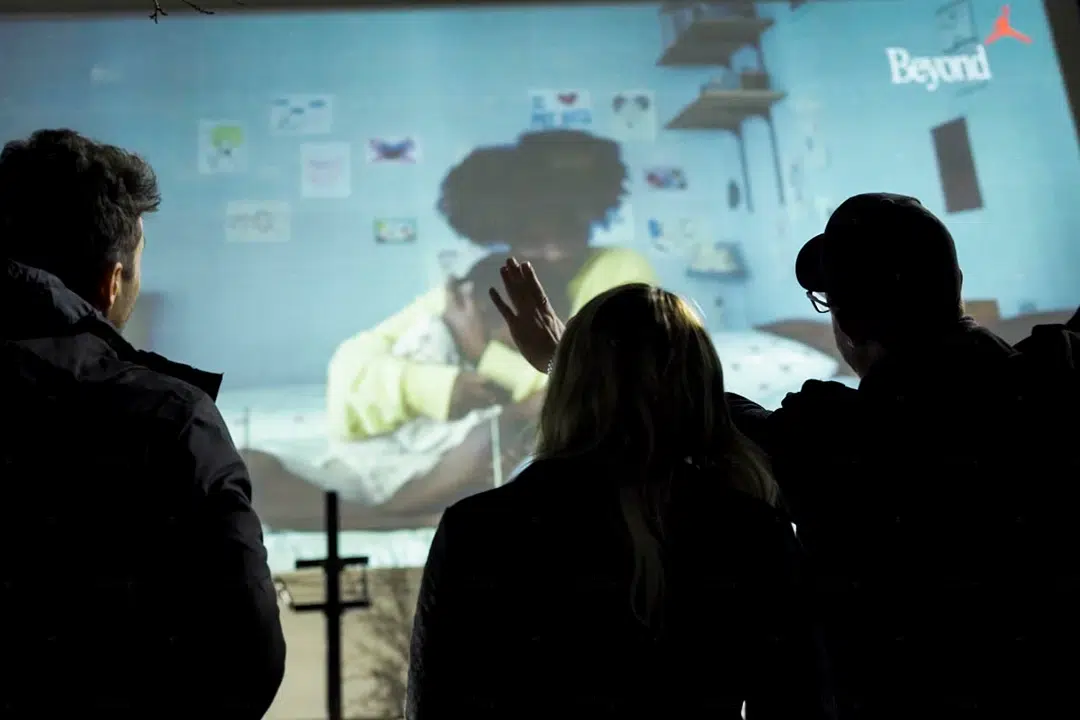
(371, 392)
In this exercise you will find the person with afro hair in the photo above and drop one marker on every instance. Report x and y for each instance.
(539, 199)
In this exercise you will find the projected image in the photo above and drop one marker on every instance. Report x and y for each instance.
(360, 351)
(341, 188)
(434, 402)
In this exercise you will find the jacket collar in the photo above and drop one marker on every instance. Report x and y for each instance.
(46, 303)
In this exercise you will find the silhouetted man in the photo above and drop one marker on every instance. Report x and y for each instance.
(938, 498)
(135, 577)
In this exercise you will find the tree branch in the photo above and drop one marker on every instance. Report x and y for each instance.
(160, 12)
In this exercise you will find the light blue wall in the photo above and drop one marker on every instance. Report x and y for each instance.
(268, 314)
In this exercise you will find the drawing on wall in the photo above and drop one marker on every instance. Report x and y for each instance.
(400, 150)
(326, 170)
(679, 236)
(666, 178)
(222, 147)
(620, 230)
(719, 261)
(258, 222)
(301, 115)
(570, 109)
(395, 231)
(634, 115)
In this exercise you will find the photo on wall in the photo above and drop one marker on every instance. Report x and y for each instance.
(395, 231)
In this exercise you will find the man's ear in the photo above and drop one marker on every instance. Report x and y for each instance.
(110, 287)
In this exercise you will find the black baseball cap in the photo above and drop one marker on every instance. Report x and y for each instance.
(882, 248)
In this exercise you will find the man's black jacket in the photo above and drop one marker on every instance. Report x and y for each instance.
(135, 581)
(938, 503)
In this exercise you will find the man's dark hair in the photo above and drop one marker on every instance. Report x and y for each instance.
(71, 206)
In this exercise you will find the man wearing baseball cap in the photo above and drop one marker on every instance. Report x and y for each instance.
(938, 499)
(886, 268)
(916, 494)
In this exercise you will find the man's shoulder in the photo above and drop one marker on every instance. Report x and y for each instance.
(98, 384)
(151, 395)
(815, 402)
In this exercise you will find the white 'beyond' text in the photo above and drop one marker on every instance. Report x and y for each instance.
(933, 71)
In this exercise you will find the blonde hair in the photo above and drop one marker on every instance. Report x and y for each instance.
(636, 385)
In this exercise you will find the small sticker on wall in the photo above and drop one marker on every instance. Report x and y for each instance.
(567, 109)
(665, 178)
(222, 147)
(301, 115)
(634, 113)
(395, 231)
(404, 150)
(258, 222)
(326, 170)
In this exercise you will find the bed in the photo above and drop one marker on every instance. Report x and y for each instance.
(282, 434)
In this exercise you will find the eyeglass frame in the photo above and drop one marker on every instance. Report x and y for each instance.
(820, 303)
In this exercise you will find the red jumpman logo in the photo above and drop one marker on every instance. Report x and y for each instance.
(1003, 29)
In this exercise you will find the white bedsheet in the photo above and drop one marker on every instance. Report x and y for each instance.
(289, 422)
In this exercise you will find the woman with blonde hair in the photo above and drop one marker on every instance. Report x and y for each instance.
(639, 567)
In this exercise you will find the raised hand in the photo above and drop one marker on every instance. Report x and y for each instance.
(529, 317)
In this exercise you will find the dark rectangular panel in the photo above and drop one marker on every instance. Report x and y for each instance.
(956, 166)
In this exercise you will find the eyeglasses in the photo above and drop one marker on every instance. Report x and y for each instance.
(818, 301)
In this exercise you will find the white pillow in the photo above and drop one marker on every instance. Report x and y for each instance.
(760, 365)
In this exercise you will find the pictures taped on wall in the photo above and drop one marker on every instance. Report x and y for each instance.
(222, 147)
(302, 115)
(326, 170)
(403, 150)
(568, 109)
(634, 114)
(665, 178)
(395, 231)
(258, 222)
